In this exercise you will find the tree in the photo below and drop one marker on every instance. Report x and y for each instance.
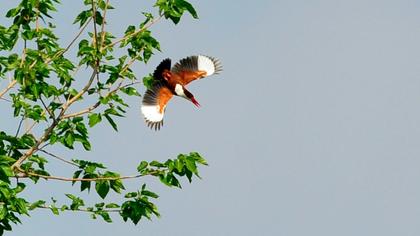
(43, 87)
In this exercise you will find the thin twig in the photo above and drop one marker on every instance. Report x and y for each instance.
(84, 111)
(59, 158)
(70, 44)
(134, 33)
(94, 106)
(95, 32)
(103, 26)
(46, 108)
(34, 123)
(5, 99)
(34, 148)
(77, 96)
(19, 126)
(17, 133)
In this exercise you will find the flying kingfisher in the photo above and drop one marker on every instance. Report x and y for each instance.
(172, 81)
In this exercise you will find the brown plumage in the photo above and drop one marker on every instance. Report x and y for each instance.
(169, 82)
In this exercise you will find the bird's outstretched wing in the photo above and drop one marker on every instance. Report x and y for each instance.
(164, 65)
(196, 67)
(154, 103)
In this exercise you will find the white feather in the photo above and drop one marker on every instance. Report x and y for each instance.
(151, 113)
(180, 91)
(206, 64)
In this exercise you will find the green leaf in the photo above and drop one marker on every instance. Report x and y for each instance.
(105, 216)
(148, 81)
(112, 122)
(69, 140)
(149, 194)
(102, 188)
(112, 205)
(7, 170)
(84, 185)
(197, 157)
(131, 195)
(130, 91)
(36, 204)
(3, 211)
(99, 205)
(142, 166)
(157, 164)
(6, 159)
(54, 210)
(191, 166)
(94, 119)
(187, 6)
(116, 185)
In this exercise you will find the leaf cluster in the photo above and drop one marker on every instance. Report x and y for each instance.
(44, 83)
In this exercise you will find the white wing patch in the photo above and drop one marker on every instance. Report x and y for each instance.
(206, 64)
(151, 113)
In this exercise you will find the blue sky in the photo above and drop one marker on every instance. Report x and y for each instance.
(312, 128)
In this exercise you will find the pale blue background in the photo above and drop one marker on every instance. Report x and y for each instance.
(313, 128)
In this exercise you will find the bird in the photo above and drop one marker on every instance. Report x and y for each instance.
(168, 82)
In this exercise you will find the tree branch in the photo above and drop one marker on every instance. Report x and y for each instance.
(58, 158)
(87, 110)
(11, 84)
(34, 148)
(96, 105)
(34, 123)
(134, 33)
(95, 32)
(103, 26)
(77, 96)
(46, 108)
(29, 174)
(80, 209)
(68, 46)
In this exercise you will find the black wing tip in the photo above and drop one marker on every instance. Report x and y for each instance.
(164, 64)
(218, 68)
(154, 125)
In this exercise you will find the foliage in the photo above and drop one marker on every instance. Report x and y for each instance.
(42, 87)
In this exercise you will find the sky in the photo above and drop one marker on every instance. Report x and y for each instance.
(313, 127)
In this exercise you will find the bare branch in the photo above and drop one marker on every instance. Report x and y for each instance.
(87, 110)
(11, 84)
(5, 99)
(58, 158)
(46, 109)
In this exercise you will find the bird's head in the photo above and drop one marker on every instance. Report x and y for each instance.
(183, 92)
